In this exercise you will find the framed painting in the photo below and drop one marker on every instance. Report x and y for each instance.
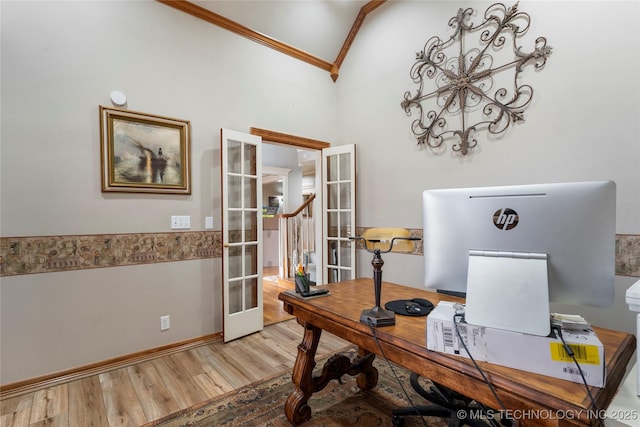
(144, 153)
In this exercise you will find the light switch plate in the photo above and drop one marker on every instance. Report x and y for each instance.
(180, 222)
(208, 222)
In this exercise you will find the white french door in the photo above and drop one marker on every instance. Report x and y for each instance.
(241, 169)
(339, 214)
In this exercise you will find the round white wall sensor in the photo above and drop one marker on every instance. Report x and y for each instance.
(118, 98)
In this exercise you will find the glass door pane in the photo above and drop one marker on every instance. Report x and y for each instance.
(339, 212)
(242, 231)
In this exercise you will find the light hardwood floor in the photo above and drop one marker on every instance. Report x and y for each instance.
(140, 393)
(271, 287)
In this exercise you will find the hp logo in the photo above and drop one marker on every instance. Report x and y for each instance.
(505, 219)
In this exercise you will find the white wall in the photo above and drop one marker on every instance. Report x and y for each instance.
(583, 123)
(60, 61)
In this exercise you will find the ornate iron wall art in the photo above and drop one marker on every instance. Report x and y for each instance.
(458, 78)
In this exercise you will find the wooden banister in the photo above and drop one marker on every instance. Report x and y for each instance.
(302, 206)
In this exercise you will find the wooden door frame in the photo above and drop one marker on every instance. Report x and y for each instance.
(286, 139)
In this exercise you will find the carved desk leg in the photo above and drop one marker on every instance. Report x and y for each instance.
(368, 377)
(296, 408)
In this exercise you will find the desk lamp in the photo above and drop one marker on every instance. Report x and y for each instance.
(380, 241)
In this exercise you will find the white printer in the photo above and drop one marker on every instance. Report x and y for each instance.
(633, 299)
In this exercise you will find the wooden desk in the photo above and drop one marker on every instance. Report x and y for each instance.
(405, 344)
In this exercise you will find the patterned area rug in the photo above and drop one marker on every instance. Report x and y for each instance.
(262, 404)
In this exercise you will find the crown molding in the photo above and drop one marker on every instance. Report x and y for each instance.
(219, 20)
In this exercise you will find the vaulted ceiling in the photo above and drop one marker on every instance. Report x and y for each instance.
(319, 32)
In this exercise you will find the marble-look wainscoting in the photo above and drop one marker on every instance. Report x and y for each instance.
(32, 255)
(45, 254)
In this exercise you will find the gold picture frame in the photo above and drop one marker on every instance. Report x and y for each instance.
(144, 153)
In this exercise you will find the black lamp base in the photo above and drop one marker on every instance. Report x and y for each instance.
(378, 316)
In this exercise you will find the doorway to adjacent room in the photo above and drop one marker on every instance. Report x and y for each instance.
(289, 179)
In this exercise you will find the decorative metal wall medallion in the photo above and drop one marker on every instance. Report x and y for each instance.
(464, 84)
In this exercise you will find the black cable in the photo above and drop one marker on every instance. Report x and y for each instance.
(384, 356)
(571, 354)
(484, 377)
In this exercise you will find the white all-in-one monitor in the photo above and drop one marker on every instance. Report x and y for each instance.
(513, 249)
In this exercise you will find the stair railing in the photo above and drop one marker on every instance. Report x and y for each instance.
(297, 238)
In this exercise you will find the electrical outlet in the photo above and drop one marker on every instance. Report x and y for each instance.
(164, 323)
(180, 222)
